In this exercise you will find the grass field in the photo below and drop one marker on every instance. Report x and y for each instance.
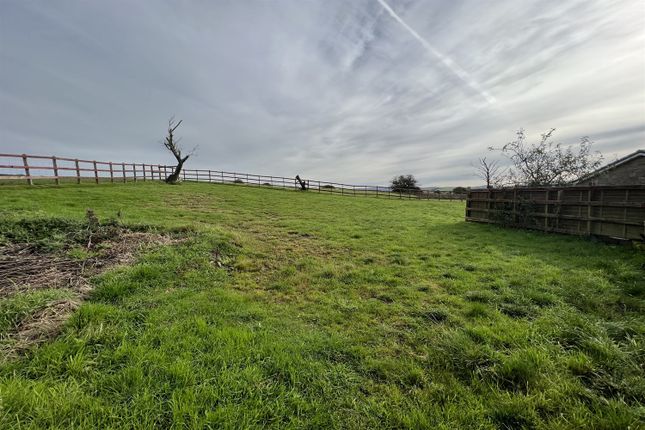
(330, 312)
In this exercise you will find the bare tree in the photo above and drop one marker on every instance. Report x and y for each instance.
(490, 171)
(172, 145)
(547, 163)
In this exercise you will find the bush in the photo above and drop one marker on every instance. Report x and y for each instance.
(404, 184)
(523, 216)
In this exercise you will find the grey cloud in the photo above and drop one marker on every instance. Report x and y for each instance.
(333, 90)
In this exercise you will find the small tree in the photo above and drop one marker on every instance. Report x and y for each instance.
(490, 172)
(546, 163)
(460, 190)
(404, 184)
(172, 145)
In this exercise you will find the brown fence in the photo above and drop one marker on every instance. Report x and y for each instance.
(48, 169)
(600, 211)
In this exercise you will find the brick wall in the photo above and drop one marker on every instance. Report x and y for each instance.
(629, 173)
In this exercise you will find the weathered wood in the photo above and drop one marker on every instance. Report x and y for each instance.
(303, 185)
(26, 164)
(599, 211)
(55, 167)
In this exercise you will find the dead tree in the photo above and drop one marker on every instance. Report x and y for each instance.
(303, 185)
(172, 145)
(489, 171)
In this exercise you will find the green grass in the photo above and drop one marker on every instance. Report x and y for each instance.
(332, 312)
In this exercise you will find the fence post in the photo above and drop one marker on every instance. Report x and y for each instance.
(546, 211)
(111, 173)
(96, 173)
(515, 217)
(134, 171)
(209, 176)
(78, 172)
(55, 165)
(624, 213)
(26, 164)
(152, 173)
(159, 169)
(143, 167)
(589, 211)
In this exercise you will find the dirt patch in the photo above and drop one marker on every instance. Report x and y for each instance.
(26, 267)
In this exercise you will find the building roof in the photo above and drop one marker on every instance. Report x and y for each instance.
(614, 164)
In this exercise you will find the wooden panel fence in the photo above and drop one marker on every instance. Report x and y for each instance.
(610, 211)
(48, 169)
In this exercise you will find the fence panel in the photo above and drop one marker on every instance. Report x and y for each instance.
(611, 211)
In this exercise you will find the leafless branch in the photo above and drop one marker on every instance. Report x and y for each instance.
(171, 143)
(490, 171)
(547, 162)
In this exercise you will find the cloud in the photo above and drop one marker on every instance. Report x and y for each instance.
(446, 61)
(332, 90)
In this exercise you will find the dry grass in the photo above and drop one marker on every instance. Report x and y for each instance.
(25, 268)
(22, 267)
(40, 326)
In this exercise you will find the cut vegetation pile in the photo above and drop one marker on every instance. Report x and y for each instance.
(298, 310)
(45, 271)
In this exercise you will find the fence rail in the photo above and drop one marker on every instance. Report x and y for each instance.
(23, 167)
(611, 211)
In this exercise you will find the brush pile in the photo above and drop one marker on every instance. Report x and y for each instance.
(58, 254)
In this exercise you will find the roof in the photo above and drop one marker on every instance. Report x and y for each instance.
(614, 164)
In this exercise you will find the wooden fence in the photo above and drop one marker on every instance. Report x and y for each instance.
(611, 211)
(45, 169)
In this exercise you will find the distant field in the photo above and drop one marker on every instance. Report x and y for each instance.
(283, 309)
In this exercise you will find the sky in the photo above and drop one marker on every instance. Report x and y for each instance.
(353, 91)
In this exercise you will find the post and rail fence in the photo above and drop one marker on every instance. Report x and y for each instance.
(30, 168)
(605, 211)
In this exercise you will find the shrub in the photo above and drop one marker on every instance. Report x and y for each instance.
(405, 184)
